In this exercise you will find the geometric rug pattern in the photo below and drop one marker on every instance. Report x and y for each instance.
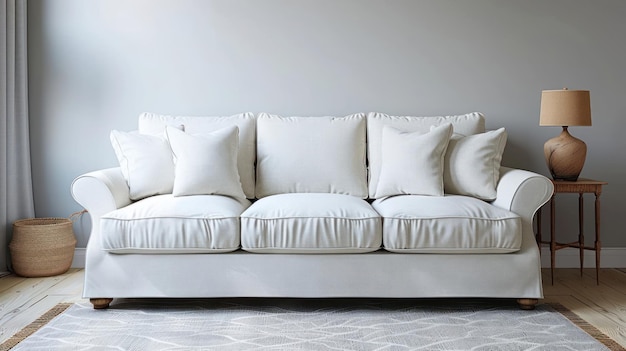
(310, 324)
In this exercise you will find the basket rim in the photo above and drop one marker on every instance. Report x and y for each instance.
(31, 221)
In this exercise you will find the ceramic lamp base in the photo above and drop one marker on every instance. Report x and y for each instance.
(565, 156)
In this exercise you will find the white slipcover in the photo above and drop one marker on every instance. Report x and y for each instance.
(377, 274)
(310, 223)
(447, 224)
(168, 224)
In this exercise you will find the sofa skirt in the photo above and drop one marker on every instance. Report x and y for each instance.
(375, 274)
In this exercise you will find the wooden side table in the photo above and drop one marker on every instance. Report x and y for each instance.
(581, 186)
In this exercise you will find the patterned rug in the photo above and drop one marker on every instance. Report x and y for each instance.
(309, 324)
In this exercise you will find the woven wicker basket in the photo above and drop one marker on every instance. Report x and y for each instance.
(42, 247)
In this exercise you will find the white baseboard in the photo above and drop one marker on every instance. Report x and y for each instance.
(612, 257)
(79, 257)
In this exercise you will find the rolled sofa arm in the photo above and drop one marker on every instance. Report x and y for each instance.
(522, 192)
(101, 191)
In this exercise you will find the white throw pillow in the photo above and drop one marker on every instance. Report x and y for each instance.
(412, 162)
(472, 164)
(311, 155)
(152, 123)
(206, 164)
(146, 163)
(471, 123)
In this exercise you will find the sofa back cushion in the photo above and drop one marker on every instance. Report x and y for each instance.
(154, 124)
(467, 124)
(311, 155)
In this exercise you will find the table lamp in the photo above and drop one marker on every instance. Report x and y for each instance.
(565, 154)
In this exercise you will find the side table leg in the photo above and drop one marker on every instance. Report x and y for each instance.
(598, 243)
(581, 235)
(552, 239)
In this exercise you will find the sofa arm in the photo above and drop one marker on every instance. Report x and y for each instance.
(101, 191)
(522, 192)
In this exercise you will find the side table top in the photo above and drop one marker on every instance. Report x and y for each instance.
(584, 181)
(582, 185)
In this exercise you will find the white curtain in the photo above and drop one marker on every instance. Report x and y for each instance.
(16, 189)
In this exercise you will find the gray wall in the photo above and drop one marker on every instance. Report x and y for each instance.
(95, 65)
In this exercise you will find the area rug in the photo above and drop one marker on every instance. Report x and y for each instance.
(309, 324)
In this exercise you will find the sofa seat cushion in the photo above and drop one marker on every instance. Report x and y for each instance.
(311, 223)
(168, 224)
(447, 224)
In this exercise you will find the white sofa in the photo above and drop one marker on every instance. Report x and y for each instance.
(271, 206)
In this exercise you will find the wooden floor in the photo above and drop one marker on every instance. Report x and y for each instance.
(23, 300)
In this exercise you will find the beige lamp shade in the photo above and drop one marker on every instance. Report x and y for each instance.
(565, 108)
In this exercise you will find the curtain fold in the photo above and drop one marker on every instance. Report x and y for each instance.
(16, 189)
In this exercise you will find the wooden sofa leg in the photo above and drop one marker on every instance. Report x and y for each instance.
(527, 304)
(100, 303)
